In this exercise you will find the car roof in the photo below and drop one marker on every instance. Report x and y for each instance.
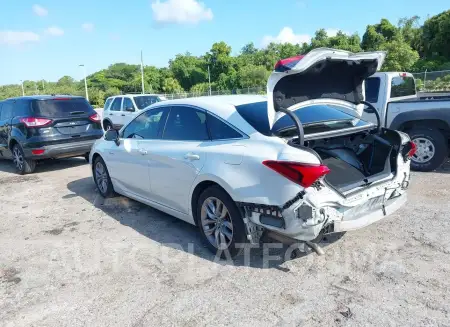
(132, 95)
(46, 97)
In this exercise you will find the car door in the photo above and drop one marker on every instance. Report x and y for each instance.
(177, 159)
(114, 112)
(128, 110)
(6, 113)
(128, 163)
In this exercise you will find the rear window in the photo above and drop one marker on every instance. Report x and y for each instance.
(402, 86)
(316, 116)
(144, 101)
(61, 108)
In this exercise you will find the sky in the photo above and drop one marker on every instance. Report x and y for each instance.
(51, 38)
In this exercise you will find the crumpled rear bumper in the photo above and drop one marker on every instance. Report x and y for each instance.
(367, 219)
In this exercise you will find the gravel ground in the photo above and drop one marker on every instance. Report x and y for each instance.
(70, 258)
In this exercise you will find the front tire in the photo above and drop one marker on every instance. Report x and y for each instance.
(23, 165)
(220, 223)
(102, 179)
(432, 149)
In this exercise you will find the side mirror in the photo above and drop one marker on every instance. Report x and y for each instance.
(130, 109)
(112, 135)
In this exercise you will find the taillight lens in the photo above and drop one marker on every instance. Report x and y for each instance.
(38, 151)
(302, 174)
(35, 122)
(95, 118)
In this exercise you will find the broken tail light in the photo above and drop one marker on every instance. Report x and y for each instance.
(409, 150)
(302, 174)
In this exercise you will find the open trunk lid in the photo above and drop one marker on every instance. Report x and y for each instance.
(326, 76)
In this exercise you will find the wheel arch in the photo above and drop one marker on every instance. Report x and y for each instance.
(202, 184)
(12, 142)
(425, 123)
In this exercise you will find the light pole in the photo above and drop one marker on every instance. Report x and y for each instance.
(43, 86)
(142, 74)
(23, 90)
(85, 82)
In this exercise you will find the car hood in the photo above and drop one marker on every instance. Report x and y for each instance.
(325, 76)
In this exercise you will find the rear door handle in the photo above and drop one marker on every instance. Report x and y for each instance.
(123, 115)
(191, 156)
(110, 114)
(143, 152)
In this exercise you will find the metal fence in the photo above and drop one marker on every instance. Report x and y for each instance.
(433, 81)
(248, 90)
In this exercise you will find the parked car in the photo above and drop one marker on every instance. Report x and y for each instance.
(425, 118)
(34, 128)
(120, 109)
(237, 166)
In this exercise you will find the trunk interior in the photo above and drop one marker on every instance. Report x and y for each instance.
(359, 159)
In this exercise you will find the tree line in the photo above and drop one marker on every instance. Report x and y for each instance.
(410, 47)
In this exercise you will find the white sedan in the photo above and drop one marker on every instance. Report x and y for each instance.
(237, 166)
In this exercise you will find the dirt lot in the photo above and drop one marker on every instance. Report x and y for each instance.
(70, 258)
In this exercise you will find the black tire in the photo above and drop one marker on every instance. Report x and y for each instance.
(106, 125)
(239, 237)
(106, 189)
(439, 142)
(22, 164)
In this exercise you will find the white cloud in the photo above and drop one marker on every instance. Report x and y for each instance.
(88, 27)
(40, 11)
(286, 35)
(333, 32)
(54, 31)
(180, 12)
(17, 38)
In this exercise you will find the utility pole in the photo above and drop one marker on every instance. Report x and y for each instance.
(36, 87)
(85, 81)
(142, 74)
(209, 79)
(43, 86)
(23, 90)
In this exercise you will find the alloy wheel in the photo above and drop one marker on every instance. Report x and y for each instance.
(216, 223)
(101, 177)
(18, 158)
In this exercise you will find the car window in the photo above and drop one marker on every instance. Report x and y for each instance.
(372, 87)
(107, 104)
(127, 103)
(221, 131)
(22, 108)
(143, 101)
(186, 124)
(148, 125)
(116, 105)
(61, 107)
(7, 110)
(402, 86)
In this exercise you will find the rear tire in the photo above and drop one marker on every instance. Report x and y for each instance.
(23, 165)
(102, 179)
(432, 149)
(107, 125)
(220, 223)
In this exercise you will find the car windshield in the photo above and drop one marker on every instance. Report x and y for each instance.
(61, 107)
(314, 118)
(144, 101)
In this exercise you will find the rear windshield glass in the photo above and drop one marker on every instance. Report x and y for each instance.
(61, 107)
(314, 118)
(402, 86)
(145, 101)
(372, 87)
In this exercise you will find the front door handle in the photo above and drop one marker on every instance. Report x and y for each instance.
(110, 114)
(123, 115)
(143, 152)
(191, 156)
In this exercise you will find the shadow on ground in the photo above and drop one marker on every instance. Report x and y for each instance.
(173, 232)
(45, 165)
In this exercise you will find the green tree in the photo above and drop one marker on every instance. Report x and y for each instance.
(400, 55)
(252, 76)
(435, 36)
(171, 85)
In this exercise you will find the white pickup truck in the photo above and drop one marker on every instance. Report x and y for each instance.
(427, 121)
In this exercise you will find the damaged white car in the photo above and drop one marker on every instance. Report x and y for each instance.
(297, 164)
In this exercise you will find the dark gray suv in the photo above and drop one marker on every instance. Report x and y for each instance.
(34, 128)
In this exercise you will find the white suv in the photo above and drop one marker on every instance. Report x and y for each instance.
(120, 109)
